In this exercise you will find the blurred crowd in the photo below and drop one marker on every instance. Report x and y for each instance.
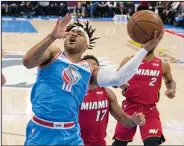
(171, 12)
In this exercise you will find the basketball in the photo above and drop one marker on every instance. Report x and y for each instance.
(142, 24)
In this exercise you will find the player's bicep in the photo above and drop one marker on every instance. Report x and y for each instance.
(48, 55)
(45, 58)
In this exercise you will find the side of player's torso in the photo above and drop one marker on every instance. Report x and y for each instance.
(61, 87)
(144, 86)
(93, 115)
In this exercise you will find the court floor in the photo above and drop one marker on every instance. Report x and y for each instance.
(113, 45)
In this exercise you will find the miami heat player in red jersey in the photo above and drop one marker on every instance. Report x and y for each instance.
(94, 112)
(142, 96)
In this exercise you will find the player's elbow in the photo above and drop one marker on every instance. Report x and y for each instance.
(117, 81)
(27, 62)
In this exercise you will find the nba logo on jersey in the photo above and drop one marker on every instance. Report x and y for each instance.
(70, 77)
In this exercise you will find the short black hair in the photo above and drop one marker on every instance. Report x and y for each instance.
(89, 30)
(91, 57)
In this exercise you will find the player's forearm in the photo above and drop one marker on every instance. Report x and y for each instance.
(121, 116)
(171, 85)
(36, 52)
(109, 77)
(126, 121)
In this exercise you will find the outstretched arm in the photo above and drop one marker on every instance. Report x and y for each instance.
(109, 77)
(42, 52)
(120, 115)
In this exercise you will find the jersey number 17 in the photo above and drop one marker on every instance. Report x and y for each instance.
(100, 115)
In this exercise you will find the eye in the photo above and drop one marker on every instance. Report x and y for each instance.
(80, 34)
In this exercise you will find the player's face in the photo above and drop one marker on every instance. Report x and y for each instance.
(75, 43)
(92, 62)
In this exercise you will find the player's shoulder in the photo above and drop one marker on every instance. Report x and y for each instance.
(54, 50)
(165, 65)
(163, 62)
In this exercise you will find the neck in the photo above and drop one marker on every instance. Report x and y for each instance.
(75, 58)
(149, 57)
(92, 87)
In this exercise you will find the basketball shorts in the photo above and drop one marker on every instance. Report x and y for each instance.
(152, 128)
(37, 134)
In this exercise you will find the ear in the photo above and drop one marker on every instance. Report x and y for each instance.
(86, 47)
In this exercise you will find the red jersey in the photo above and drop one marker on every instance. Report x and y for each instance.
(93, 117)
(145, 85)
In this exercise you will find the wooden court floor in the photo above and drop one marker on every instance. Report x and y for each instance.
(111, 48)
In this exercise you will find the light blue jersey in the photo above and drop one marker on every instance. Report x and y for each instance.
(59, 89)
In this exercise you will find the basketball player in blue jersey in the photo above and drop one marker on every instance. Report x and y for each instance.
(62, 82)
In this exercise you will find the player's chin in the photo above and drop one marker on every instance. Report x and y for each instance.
(72, 48)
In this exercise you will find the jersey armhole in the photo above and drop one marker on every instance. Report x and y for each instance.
(52, 61)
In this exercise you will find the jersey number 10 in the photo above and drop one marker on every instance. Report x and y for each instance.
(100, 115)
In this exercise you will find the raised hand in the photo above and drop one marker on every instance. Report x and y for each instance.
(60, 28)
(152, 44)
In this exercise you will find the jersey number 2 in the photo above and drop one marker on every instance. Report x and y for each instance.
(153, 80)
(100, 114)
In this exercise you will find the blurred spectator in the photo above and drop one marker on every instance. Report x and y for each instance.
(4, 8)
(179, 20)
(61, 8)
(170, 14)
(163, 5)
(53, 8)
(102, 9)
(181, 10)
(12, 8)
(112, 7)
(130, 13)
(43, 8)
(92, 8)
(71, 5)
(79, 11)
(86, 6)
(121, 10)
(26, 9)
(144, 5)
(130, 6)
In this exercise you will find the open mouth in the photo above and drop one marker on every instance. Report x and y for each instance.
(72, 40)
